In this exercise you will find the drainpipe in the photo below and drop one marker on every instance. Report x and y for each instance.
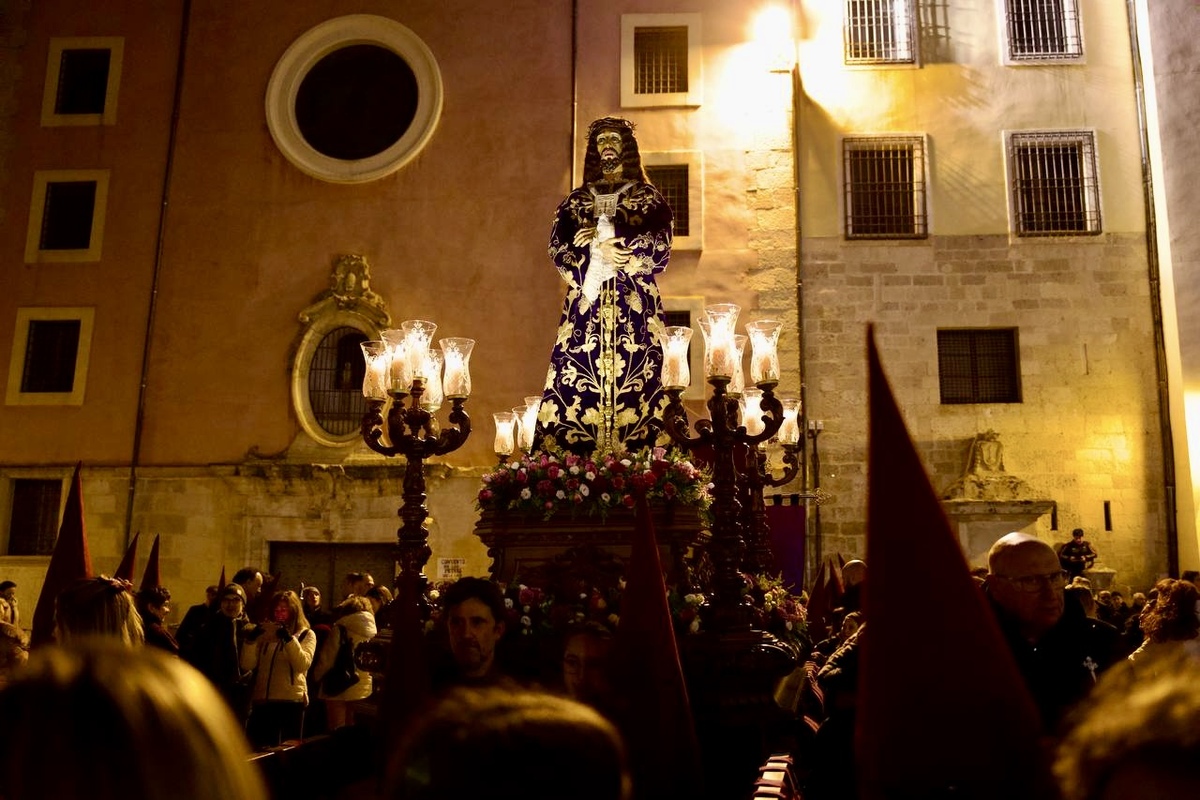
(151, 312)
(574, 92)
(1152, 258)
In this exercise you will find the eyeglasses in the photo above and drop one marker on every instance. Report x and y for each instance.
(1034, 583)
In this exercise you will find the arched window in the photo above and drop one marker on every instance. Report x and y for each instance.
(335, 381)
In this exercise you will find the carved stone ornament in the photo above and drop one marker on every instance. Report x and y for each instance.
(984, 477)
(350, 290)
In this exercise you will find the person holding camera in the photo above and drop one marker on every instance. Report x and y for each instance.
(279, 653)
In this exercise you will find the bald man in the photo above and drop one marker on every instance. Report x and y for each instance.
(1059, 654)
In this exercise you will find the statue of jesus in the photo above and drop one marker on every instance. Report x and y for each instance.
(611, 236)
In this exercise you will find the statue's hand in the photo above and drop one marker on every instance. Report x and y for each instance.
(616, 253)
(584, 235)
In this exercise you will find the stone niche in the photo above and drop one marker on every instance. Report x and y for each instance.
(987, 502)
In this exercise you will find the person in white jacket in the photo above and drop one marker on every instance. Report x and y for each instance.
(280, 656)
(353, 619)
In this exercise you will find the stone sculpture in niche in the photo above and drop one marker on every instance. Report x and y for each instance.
(984, 477)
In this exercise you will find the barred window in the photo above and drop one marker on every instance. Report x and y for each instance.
(885, 187)
(660, 60)
(1054, 183)
(335, 381)
(880, 32)
(67, 216)
(979, 365)
(33, 523)
(671, 180)
(1041, 30)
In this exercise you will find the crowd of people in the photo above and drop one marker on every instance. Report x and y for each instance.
(246, 671)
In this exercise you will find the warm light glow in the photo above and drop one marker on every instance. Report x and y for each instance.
(375, 378)
(719, 350)
(431, 399)
(752, 412)
(764, 355)
(506, 424)
(737, 381)
(789, 429)
(417, 334)
(456, 378)
(676, 373)
(772, 33)
(529, 420)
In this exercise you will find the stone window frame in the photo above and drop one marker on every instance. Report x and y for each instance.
(694, 161)
(694, 96)
(316, 43)
(16, 364)
(7, 478)
(34, 254)
(116, 47)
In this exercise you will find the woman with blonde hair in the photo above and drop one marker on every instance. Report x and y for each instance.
(354, 621)
(279, 655)
(100, 722)
(100, 606)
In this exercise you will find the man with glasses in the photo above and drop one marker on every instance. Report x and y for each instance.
(1059, 655)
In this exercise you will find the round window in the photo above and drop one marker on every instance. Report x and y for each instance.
(354, 99)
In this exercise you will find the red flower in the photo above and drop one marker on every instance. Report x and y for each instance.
(628, 500)
(669, 490)
(485, 495)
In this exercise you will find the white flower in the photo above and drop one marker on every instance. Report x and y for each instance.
(574, 470)
(584, 490)
(526, 621)
(605, 496)
(526, 493)
(560, 494)
(508, 603)
(589, 476)
(626, 462)
(694, 627)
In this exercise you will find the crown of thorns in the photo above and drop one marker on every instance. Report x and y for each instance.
(610, 124)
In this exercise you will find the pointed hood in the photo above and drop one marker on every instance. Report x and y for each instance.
(953, 712)
(825, 596)
(152, 578)
(129, 561)
(69, 563)
(657, 718)
(222, 581)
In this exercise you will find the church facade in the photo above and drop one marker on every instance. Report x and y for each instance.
(204, 207)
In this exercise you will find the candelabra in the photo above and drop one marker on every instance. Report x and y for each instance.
(725, 436)
(403, 368)
(758, 475)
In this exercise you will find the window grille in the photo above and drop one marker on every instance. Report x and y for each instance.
(885, 187)
(1043, 29)
(82, 81)
(335, 381)
(979, 366)
(68, 214)
(51, 348)
(1054, 183)
(33, 523)
(672, 181)
(660, 60)
(880, 32)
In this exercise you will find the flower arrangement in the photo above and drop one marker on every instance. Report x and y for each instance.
(545, 481)
(777, 610)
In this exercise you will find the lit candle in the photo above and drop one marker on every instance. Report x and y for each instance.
(764, 355)
(431, 399)
(417, 335)
(676, 374)
(375, 377)
(719, 340)
(506, 422)
(456, 380)
(752, 412)
(400, 376)
(737, 381)
(529, 420)
(789, 429)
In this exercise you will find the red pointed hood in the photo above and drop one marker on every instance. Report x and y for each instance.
(70, 561)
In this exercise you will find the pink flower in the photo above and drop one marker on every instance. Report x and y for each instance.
(659, 453)
(552, 472)
(485, 495)
(669, 490)
(628, 500)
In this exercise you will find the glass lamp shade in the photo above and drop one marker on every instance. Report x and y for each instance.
(719, 348)
(376, 377)
(400, 375)
(789, 429)
(764, 350)
(524, 436)
(506, 432)
(676, 373)
(529, 419)
(431, 399)
(737, 382)
(752, 411)
(417, 335)
(456, 377)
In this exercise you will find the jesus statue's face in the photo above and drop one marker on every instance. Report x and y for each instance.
(609, 145)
